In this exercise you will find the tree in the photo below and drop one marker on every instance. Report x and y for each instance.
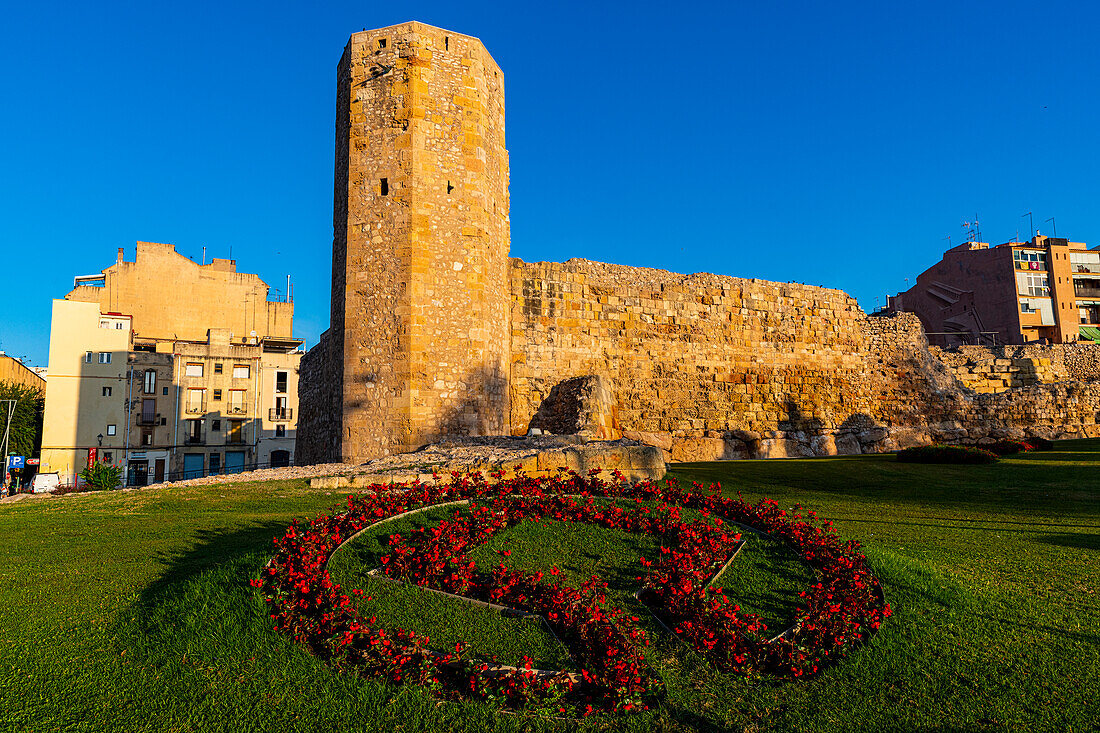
(25, 436)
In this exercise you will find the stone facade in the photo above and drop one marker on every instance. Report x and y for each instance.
(421, 237)
(690, 355)
(435, 331)
(997, 369)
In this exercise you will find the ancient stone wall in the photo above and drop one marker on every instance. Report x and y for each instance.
(436, 332)
(694, 358)
(320, 404)
(987, 369)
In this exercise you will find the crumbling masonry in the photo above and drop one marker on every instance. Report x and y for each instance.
(436, 331)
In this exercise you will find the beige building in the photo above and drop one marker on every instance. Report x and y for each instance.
(182, 399)
(85, 394)
(13, 370)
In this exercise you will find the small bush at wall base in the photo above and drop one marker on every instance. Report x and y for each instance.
(1040, 443)
(946, 454)
(1008, 447)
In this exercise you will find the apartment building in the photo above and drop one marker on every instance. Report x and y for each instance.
(1046, 289)
(187, 393)
(85, 417)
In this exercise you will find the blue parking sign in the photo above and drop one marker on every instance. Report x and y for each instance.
(15, 462)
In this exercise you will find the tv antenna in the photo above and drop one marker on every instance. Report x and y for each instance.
(1053, 226)
(1030, 223)
(973, 229)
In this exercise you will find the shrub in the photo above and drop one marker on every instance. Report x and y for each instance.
(1038, 443)
(1007, 447)
(946, 454)
(102, 476)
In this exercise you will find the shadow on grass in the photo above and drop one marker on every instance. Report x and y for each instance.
(1081, 541)
(212, 548)
(1053, 482)
(1054, 631)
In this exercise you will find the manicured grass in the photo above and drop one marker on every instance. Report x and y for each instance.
(131, 611)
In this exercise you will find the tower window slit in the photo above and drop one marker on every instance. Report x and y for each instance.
(385, 187)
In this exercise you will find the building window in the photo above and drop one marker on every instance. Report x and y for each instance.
(215, 463)
(163, 421)
(195, 400)
(147, 437)
(1026, 307)
(236, 401)
(106, 391)
(217, 395)
(240, 371)
(1029, 259)
(87, 357)
(111, 429)
(108, 456)
(236, 432)
(1038, 285)
(280, 382)
(165, 392)
(194, 370)
(194, 431)
(216, 425)
(218, 368)
(148, 411)
(105, 357)
(280, 431)
(150, 381)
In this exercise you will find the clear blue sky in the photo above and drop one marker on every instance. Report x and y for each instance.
(834, 144)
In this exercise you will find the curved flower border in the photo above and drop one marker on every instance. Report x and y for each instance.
(843, 607)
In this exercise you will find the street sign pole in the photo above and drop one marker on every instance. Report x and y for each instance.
(7, 427)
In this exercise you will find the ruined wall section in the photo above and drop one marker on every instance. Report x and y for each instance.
(703, 365)
(919, 396)
(420, 242)
(320, 399)
(995, 369)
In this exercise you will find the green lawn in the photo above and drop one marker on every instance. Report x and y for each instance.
(131, 611)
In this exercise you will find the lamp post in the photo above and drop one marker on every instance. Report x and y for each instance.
(100, 439)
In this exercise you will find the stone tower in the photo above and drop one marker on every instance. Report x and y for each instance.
(420, 292)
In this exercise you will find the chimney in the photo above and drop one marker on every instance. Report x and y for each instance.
(119, 260)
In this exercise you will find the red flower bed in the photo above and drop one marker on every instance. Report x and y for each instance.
(844, 605)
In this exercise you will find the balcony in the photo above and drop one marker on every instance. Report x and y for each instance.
(193, 440)
(237, 410)
(1080, 267)
(1086, 292)
(147, 420)
(280, 414)
(195, 408)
